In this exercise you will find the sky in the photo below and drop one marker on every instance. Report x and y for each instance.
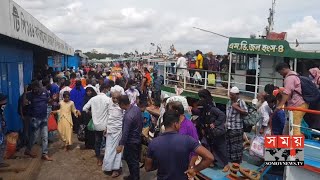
(117, 26)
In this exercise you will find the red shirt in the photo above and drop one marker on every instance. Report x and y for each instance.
(72, 83)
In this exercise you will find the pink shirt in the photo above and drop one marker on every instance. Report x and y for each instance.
(292, 85)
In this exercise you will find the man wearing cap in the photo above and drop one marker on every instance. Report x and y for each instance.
(236, 108)
(3, 102)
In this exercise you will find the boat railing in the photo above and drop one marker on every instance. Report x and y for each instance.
(223, 80)
(311, 150)
(291, 125)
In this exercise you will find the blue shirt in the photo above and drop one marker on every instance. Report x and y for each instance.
(171, 165)
(38, 104)
(146, 115)
(106, 80)
(278, 121)
(77, 97)
(132, 126)
(54, 89)
(157, 83)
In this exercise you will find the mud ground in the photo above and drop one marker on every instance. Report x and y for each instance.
(76, 164)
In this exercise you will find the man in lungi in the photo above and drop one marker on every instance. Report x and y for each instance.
(112, 160)
(236, 108)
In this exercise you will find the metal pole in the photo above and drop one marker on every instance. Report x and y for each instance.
(257, 78)
(184, 79)
(274, 62)
(67, 61)
(295, 64)
(64, 62)
(165, 72)
(290, 123)
(229, 75)
(291, 127)
(205, 79)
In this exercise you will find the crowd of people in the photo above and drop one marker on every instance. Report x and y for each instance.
(110, 109)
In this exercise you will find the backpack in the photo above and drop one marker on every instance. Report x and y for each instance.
(250, 120)
(310, 92)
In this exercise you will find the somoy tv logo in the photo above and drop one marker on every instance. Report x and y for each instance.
(284, 150)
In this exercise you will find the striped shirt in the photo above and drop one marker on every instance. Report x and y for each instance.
(234, 120)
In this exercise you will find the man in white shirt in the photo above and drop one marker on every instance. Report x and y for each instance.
(264, 112)
(132, 92)
(112, 160)
(99, 109)
(181, 63)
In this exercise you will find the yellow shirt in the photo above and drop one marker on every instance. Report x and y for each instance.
(199, 62)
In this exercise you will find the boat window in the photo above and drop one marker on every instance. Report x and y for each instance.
(305, 64)
(252, 63)
(241, 63)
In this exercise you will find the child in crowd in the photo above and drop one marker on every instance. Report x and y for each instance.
(278, 117)
(65, 124)
(132, 92)
(146, 119)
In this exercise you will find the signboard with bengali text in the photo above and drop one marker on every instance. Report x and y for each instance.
(278, 48)
(19, 24)
(256, 46)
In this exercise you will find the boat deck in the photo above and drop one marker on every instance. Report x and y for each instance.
(311, 155)
(217, 174)
(220, 94)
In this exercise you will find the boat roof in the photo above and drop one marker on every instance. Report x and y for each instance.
(279, 48)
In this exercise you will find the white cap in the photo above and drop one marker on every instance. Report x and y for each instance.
(255, 101)
(235, 90)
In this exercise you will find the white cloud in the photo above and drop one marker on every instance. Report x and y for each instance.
(306, 30)
(126, 25)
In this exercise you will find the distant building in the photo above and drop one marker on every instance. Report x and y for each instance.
(60, 62)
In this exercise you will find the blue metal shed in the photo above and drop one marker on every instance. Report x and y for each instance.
(16, 67)
(25, 45)
(66, 62)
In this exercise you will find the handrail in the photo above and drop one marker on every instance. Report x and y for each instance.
(291, 109)
(172, 71)
(224, 73)
(313, 130)
(302, 109)
(247, 84)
